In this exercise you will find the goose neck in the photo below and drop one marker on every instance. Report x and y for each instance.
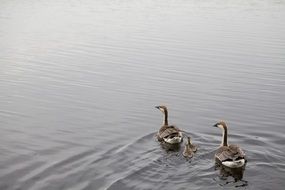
(225, 136)
(165, 122)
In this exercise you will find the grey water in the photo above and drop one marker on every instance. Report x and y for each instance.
(79, 80)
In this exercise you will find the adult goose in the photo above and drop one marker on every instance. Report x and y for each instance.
(231, 156)
(168, 133)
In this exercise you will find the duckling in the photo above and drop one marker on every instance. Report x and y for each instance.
(168, 133)
(189, 149)
(231, 156)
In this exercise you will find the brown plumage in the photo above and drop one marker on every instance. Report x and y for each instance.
(229, 155)
(168, 133)
(189, 149)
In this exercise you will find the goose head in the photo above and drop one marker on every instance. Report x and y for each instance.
(163, 109)
(221, 125)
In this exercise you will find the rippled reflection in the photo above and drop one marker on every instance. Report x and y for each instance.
(236, 173)
(226, 174)
(170, 147)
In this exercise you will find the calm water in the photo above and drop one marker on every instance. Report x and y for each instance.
(79, 81)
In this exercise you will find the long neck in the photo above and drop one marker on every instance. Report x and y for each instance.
(225, 136)
(165, 122)
(189, 142)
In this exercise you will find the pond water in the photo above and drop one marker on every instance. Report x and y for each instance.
(79, 80)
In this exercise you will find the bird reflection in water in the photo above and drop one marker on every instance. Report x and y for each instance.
(170, 147)
(235, 173)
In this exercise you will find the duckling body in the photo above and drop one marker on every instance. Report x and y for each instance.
(168, 133)
(231, 156)
(189, 149)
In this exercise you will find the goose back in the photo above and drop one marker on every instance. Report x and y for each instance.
(230, 153)
(166, 130)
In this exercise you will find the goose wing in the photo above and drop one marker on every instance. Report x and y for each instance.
(231, 153)
(237, 152)
(168, 130)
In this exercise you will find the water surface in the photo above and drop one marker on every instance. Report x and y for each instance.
(79, 81)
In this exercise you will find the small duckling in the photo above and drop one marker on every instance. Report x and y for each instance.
(189, 149)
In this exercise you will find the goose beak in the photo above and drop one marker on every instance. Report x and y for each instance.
(157, 107)
(216, 125)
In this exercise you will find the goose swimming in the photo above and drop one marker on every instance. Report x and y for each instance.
(168, 133)
(231, 156)
(189, 149)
